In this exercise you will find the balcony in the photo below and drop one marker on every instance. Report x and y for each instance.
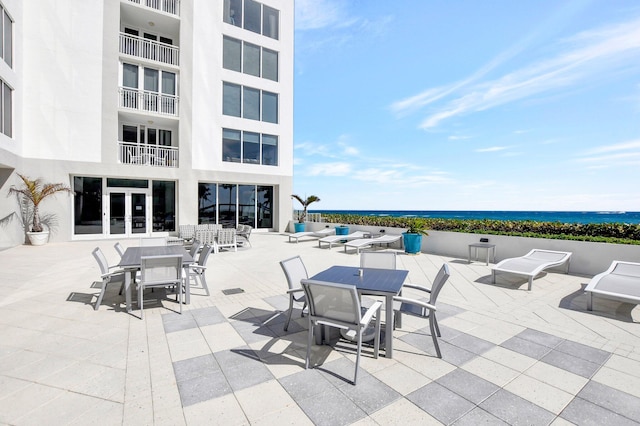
(148, 155)
(144, 100)
(168, 6)
(149, 49)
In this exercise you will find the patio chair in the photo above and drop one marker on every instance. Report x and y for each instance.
(334, 239)
(187, 233)
(197, 270)
(295, 271)
(153, 241)
(532, 264)
(379, 259)
(119, 248)
(620, 282)
(160, 271)
(314, 234)
(206, 236)
(243, 233)
(338, 305)
(226, 239)
(107, 273)
(196, 245)
(419, 308)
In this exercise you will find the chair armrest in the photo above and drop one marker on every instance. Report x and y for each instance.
(369, 314)
(294, 290)
(417, 287)
(415, 302)
(201, 267)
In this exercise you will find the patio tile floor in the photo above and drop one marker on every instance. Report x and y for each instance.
(509, 356)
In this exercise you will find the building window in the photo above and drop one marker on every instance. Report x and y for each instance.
(87, 205)
(249, 58)
(231, 147)
(6, 33)
(230, 204)
(252, 104)
(231, 99)
(270, 22)
(164, 205)
(255, 148)
(231, 54)
(257, 18)
(6, 109)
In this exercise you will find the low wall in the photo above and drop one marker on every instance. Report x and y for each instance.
(587, 259)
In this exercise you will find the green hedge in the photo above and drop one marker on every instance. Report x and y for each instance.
(618, 233)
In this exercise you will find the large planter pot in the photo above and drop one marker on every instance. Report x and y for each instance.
(412, 243)
(299, 227)
(342, 230)
(38, 238)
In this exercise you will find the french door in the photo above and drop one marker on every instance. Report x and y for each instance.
(128, 212)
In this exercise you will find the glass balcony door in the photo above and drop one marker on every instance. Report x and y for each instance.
(128, 212)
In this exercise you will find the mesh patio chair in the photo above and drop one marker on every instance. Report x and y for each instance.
(160, 271)
(226, 239)
(197, 270)
(379, 259)
(243, 233)
(119, 248)
(196, 245)
(338, 305)
(108, 273)
(419, 308)
(294, 270)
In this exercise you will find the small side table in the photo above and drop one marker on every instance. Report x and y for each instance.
(488, 247)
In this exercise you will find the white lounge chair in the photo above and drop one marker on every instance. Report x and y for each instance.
(369, 242)
(532, 263)
(620, 282)
(334, 239)
(315, 234)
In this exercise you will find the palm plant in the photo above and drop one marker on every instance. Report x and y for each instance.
(34, 192)
(305, 204)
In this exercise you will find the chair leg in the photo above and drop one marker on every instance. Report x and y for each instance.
(376, 342)
(309, 342)
(589, 302)
(302, 311)
(286, 324)
(435, 320)
(203, 281)
(100, 296)
(141, 301)
(180, 293)
(355, 375)
(434, 337)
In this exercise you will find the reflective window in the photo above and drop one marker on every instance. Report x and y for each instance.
(269, 107)
(251, 148)
(231, 58)
(6, 32)
(251, 104)
(231, 145)
(233, 12)
(6, 109)
(251, 59)
(164, 205)
(227, 205)
(207, 206)
(246, 205)
(264, 207)
(270, 64)
(252, 16)
(87, 205)
(269, 150)
(231, 99)
(270, 22)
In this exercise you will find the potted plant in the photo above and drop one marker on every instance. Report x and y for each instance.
(299, 227)
(32, 193)
(412, 238)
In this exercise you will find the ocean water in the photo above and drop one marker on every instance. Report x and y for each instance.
(540, 216)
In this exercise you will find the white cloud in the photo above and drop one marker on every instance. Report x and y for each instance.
(328, 169)
(492, 149)
(315, 14)
(588, 54)
(616, 147)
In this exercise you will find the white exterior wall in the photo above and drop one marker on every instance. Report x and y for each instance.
(66, 76)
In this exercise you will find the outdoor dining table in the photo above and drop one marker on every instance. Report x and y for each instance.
(373, 282)
(132, 261)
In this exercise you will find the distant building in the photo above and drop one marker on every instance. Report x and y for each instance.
(155, 112)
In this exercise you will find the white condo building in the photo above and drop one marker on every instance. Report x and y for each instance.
(155, 112)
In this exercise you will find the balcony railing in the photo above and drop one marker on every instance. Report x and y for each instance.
(148, 155)
(143, 100)
(169, 6)
(149, 49)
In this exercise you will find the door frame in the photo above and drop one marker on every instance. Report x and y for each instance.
(128, 225)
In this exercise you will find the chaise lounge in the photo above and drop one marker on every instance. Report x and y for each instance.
(532, 263)
(369, 242)
(620, 282)
(334, 239)
(315, 234)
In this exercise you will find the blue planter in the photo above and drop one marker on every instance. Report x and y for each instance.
(412, 243)
(342, 230)
(299, 227)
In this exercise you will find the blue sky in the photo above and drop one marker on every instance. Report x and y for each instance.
(468, 105)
